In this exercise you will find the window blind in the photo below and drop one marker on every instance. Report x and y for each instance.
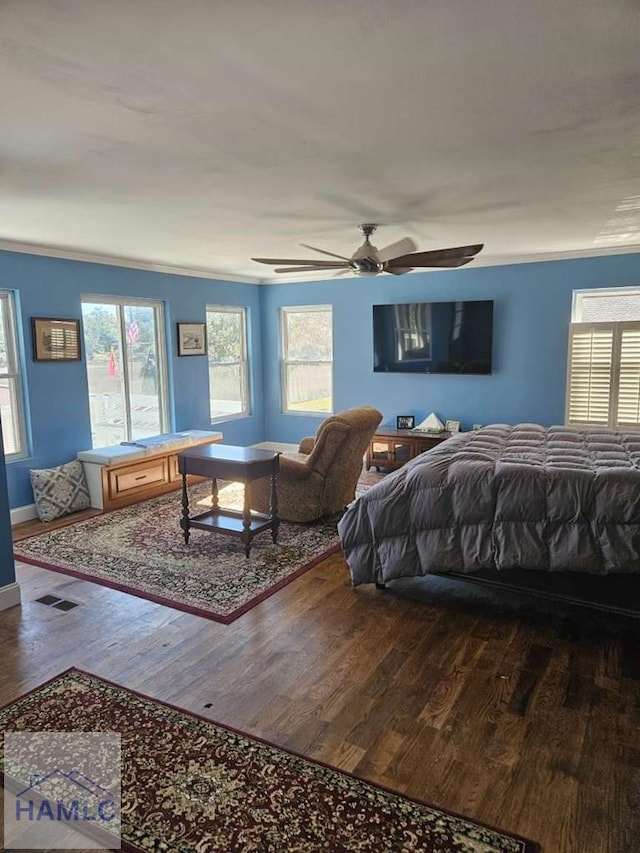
(629, 379)
(603, 375)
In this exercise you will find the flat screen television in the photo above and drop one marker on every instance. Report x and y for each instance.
(433, 337)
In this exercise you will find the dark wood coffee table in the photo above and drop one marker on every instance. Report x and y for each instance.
(241, 465)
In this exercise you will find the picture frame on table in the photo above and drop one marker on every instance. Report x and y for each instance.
(405, 422)
(55, 339)
(452, 426)
(192, 339)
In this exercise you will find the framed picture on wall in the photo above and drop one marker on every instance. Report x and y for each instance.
(192, 339)
(405, 422)
(55, 340)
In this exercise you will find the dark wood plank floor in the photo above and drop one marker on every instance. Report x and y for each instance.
(514, 712)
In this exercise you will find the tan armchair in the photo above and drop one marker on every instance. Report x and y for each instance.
(321, 478)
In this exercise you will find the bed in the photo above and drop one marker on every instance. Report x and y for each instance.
(502, 503)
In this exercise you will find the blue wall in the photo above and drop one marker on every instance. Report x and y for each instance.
(531, 317)
(57, 395)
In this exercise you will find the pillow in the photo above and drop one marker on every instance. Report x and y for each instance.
(58, 491)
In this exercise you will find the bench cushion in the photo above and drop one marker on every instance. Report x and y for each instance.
(121, 453)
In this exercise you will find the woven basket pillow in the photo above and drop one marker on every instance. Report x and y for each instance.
(59, 491)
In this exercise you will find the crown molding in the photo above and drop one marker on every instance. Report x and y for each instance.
(216, 275)
(69, 254)
(541, 257)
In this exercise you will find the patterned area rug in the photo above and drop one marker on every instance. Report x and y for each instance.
(140, 549)
(191, 785)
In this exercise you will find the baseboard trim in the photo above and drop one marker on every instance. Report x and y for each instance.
(9, 595)
(275, 445)
(23, 513)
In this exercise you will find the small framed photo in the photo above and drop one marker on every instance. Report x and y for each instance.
(192, 339)
(452, 426)
(405, 422)
(55, 340)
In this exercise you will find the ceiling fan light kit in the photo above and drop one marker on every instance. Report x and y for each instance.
(397, 258)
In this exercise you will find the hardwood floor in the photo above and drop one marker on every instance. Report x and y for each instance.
(517, 713)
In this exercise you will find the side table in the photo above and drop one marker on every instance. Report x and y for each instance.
(392, 448)
(241, 465)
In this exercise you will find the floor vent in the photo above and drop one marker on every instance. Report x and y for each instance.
(58, 603)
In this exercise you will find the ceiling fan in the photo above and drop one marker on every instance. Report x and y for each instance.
(397, 258)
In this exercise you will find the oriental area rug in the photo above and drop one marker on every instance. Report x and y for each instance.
(192, 785)
(141, 550)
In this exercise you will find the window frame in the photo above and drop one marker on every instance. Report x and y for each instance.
(579, 295)
(285, 361)
(616, 330)
(158, 308)
(245, 389)
(14, 375)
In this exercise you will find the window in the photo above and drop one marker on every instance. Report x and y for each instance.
(307, 359)
(126, 371)
(228, 366)
(11, 401)
(603, 375)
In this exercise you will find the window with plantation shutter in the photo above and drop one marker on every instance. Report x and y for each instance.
(603, 370)
(629, 379)
(590, 369)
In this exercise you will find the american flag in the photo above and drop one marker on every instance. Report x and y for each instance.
(133, 332)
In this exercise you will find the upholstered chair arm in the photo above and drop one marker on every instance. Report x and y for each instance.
(293, 470)
(306, 444)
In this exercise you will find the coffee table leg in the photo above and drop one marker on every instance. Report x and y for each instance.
(246, 520)
(214, 494)
(184, 521)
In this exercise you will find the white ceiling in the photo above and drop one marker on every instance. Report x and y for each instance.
(196, 133)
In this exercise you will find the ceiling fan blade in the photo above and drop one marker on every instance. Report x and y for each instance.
(425, 258)
(323, 252)
(313, 268)
(445, 262)
(395, 250)
(307, 261)
(397, 270)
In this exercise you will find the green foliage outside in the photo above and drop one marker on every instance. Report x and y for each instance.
(102, 329)
(224, 336)
(309, 335)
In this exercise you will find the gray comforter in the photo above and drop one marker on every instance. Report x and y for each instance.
(526, 496)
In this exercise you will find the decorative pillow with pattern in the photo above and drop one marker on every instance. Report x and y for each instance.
(59, 491)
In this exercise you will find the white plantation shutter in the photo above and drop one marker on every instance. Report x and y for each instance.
(603, 375)
(629, 379)
(589, 373)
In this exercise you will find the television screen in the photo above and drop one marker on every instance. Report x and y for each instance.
(433, 337)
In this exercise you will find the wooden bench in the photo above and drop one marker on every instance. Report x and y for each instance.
(124, 474)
